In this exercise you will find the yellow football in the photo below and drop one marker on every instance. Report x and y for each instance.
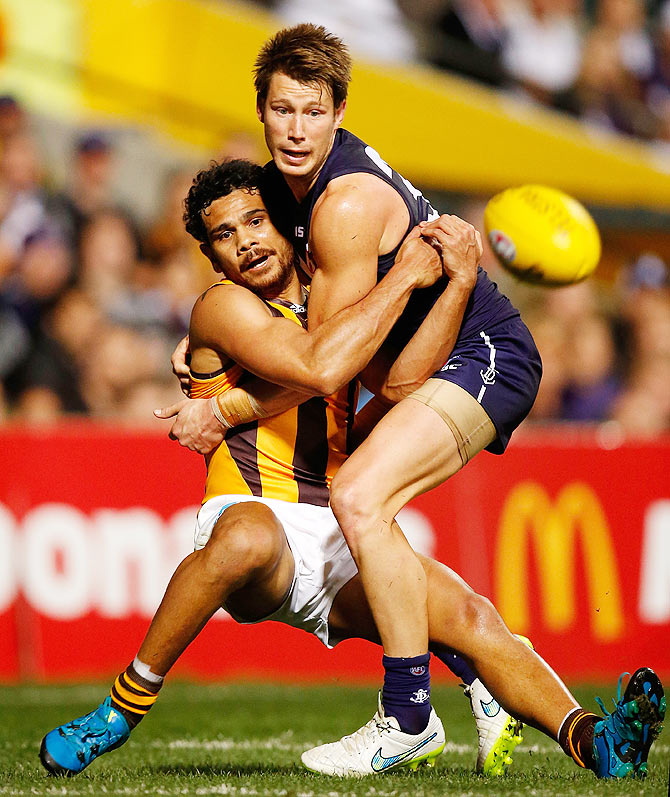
(542, 235)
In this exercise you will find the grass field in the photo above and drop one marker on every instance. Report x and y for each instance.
(246, 739)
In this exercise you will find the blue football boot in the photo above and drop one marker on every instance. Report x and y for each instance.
(69, 749)
(622, 740)
(646, 690)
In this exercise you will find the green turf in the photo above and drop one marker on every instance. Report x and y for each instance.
(245, 739)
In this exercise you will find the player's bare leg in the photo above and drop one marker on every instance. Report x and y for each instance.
(420, 443)
(520, 680)
(246, 564)
(410, 451)
(462, 620)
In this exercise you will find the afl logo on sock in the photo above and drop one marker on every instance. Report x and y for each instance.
(417, 670)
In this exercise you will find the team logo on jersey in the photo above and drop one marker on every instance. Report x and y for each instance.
(452, 365)
(489, 376)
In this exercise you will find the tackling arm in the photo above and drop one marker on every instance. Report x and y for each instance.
(391, 376)
(233, 321)
(313, 363)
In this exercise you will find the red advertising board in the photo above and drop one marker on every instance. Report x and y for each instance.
(569, 536)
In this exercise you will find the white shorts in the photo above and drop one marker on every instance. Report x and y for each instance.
(323, 563)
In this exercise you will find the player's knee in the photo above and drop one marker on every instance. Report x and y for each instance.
(480, 617)
(353, 506)
(245, 539)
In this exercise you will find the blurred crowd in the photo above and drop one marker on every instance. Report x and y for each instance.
(606, 62)
(90, 304)
(605, 349)
(93, 298)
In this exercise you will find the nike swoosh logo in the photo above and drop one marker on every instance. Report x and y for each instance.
(491, 708)
(379, 763)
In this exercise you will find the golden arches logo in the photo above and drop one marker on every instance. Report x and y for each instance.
(554, 527)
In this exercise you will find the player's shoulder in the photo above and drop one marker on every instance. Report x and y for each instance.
(222, 292)
(224, 301)
(356, 193)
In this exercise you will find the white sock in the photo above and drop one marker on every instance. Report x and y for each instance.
(145, 671)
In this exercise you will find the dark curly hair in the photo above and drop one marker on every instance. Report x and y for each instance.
(211, 184)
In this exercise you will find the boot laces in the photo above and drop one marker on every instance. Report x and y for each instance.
(92, 726)
(618, 721)
(359, 740)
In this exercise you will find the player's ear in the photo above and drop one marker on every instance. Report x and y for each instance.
(339, 113)
(259, 110)
(207, 252)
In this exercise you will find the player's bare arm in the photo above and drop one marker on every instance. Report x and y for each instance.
(429, 348)
(233, 321)
(180, 364)
(355, 220)
(318, 362)
(391, 376)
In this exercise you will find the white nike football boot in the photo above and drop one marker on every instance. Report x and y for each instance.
(499, 733)
(377, 747)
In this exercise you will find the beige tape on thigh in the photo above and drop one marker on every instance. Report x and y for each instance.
(463, 414)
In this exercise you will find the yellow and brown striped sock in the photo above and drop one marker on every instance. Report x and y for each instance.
(576, 736)
(133, 695)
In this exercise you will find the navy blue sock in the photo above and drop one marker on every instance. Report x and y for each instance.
(406, 693)
(457, 665)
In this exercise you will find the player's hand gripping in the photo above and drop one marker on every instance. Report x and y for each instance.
(459, 245)
(195, 427)
(420, 259)
(180, 359)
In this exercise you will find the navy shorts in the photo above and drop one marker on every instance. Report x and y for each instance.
(501, 368)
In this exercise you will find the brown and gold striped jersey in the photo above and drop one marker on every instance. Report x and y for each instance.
(292, 456)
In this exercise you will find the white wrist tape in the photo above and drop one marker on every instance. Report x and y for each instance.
(218, 414)
(256, 407)
(238, 407)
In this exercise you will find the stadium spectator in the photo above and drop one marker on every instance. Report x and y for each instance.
(606, 94)
(626, 23)
(42, 273)
(92, 172)
(550, 337)
(109, 251)
(12, 117)
(543, 46)
(22, 201)
(136, 405)
(644, 301)
(71, 254)
(592, 382)
(180, 270)
(375, 30)
(15, 342)
(470, 38)
(48, 383)
(117, 359)
(658, 85)
(167, 236)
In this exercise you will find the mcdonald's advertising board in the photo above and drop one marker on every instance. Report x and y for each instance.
(570, 539)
